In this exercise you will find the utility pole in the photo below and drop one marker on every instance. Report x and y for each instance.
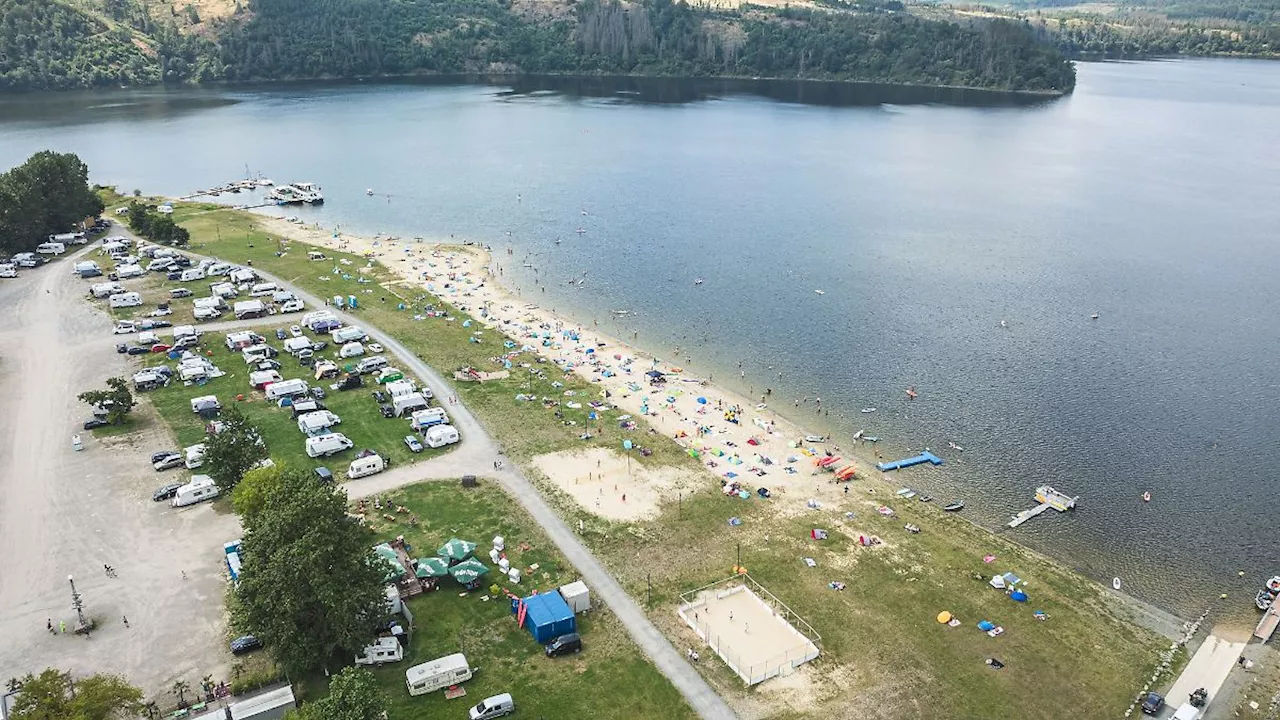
(81, 623)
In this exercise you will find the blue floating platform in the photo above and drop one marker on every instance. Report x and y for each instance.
(924, 457)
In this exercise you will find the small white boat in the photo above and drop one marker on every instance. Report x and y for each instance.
(368, 191)
(815, 438)
(955, 446)
(857, 435)
(868, 410)
(1115, 583)
(697, 281)
(820, 292)
(1093, 316)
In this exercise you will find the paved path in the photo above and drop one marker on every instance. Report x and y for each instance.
(476, 457)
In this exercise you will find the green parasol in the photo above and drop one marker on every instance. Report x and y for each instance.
(456, 549)
(395, 570)
(432, 567)
(468, 571)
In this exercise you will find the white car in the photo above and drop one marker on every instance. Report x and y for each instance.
(295, 331)
(292, 306)
(160, 312)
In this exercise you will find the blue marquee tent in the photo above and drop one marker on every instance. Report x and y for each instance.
(547, 616)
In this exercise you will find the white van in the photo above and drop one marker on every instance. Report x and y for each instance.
(125, 300)
(348, 334)
(201, 488)
(385, 650)
(287, 388)
(191, 274)
(324, 445)
(492, 707)
(263, 289)
(101, 290)
(439, 673)
(51, 248)
(351, 349)
(125, 327)
(423, 419)
(371, 364)
(218, 268)
(365, 466)
(130, 270)
(8, 270)
(292, 306)
(440, 435)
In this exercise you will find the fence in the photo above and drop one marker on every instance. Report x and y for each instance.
(753, 669)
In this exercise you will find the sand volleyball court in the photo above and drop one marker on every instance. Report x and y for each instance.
(606, 483)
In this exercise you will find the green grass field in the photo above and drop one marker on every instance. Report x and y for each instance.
(883, 648)
(608, 679)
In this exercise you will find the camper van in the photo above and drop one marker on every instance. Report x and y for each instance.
(423, 419)
(370, 364)
(385, 650)
(350, 350)
(51, 248)
(243, 339)
(287, 388)
(206, 313)
(400, 387)
(405, 405)
(294, 345)
(348, 334)
(200, 488)
(130, 270)
(88, 269)
(125, 300)
(193, 456)
(191, 274)
(440, 435)
(248, 309)
(492, 707)
(317, 422)
(437, 674)
(263, 289)
(365, 466)
(223, 290)
(324, 445)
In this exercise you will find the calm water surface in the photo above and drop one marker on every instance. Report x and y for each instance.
(1151, 197)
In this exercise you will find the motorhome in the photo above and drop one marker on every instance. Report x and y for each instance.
(88, 269)
(206, 313)
(247, 309)
(51, 248)
(71, 238)
(422, 419)
(437, 674)
(287, 388)
(181, 331)
(365, 466)
(102, 290)
(438, 436)
(218, 268)
(193, 456)
(350, 350)
(401, 387)
(161, 264)
(201, 488)
(371, 364)
(131, 270)
(263, 289)
(385, 650)
(125, 300)
(296, 344)
(214, 302)
(348, 334)
(223, 290)
(322, 445)
(242, 340)
(242, 275)
(191, 274)
(317, 422)
(27, 260)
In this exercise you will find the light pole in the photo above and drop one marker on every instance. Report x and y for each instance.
(82, 624)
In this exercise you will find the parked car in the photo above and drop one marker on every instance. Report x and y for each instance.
(180, 293)
(317, 347)
(281, 334)
(122, 348)
(139, 350)
(323, 474)
(174, 276)
(317, 392)
(166, 492)
(411, 442)
(159, 455)
(1152, 703)
(268, 365)
(295, 331)
(95, 423)
(386, 410)
(245, 644)
(168, 462)
(379, 396)
(373, 348)
(565, 644)
(160, 311)
(160, 348)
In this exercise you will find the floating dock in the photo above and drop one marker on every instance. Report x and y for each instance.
(924, 457)
(1267, 625)
(1048, 498)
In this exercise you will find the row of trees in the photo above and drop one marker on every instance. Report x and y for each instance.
(47, 194)
(156, 226)
(53, 45)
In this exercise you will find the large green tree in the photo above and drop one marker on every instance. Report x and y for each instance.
(250, 495)
(117, 400)
(311, 586)
(353, 695)
(234, 450)
(52, 695)
(47, 194)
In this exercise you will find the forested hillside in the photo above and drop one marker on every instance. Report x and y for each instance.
(45, 44)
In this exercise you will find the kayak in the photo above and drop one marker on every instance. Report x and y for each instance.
(953, 507)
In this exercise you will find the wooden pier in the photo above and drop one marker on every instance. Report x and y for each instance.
(1048, 498)
(1267, 625)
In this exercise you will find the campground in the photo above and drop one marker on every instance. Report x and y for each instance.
(881, 642)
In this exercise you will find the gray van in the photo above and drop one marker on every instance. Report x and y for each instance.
(492, 707)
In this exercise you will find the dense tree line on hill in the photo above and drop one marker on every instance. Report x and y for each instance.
(48, 45)
(1133, 36)
(47, 194)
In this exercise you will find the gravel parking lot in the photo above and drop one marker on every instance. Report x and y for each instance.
(64, 512)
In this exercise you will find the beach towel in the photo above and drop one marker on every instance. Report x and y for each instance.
(810, 562)
(818, 534)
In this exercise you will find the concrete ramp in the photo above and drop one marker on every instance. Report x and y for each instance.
(1208, 669)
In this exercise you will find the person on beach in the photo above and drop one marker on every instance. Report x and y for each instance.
(49, 625)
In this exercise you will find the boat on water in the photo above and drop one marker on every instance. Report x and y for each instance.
(820, 292)
(1266, 597)
(868, 410)
(697, 281)
(302, 192)
(955, 446)
(1115, 583)
(925, 498)
(815, 438)
(1146, 497)
(870, 438)
(621, 313)
(906, 493)
(857, 435)
(956, 506)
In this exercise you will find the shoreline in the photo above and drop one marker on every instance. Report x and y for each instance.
(508, 311)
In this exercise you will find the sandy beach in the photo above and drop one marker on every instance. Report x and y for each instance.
(738, 439)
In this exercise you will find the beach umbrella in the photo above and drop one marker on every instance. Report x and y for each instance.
(986, 625)
(944, 617)
(1018, 596)
(431, 567)
(702, 401)
(394, 570)
(468, 571)
(456, 549)
(626, 444)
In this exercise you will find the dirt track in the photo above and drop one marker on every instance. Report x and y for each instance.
(67, 513)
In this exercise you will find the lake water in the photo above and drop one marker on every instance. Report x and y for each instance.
(1151, 197)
